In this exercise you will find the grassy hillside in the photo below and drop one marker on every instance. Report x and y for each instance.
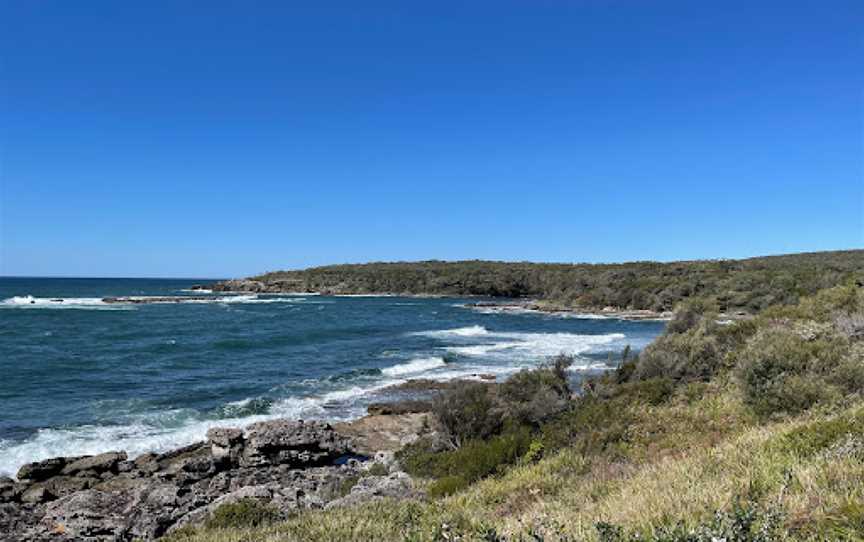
(751, 431)
(747, 285)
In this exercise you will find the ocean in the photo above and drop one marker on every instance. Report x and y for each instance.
(81, 376)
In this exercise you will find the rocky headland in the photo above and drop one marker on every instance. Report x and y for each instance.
(291, 465)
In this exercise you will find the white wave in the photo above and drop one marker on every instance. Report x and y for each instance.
(523, 346)
(364, 295)
(414, 366)
(516, 309)
(470, 331)
(31, 302)
(154, 432)
(196, 290)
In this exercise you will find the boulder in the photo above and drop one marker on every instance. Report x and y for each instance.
(295, 443)
(42, 470)
(225, 444)
(372, 434)
(98, 464)
(396, 485)
(409, 406)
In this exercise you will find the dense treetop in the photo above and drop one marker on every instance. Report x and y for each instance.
(734, 285)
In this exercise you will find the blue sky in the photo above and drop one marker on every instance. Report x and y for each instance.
(229, 138)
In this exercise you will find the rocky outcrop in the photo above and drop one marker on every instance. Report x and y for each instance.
(259, 287)
(291, 464)
(374, 434)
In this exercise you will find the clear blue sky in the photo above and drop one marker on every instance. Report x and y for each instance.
(228, 138)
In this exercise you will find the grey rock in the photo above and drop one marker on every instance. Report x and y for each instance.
(41, 470)
(395, 485)
(36, 494)
(96, 463)
(296, 443)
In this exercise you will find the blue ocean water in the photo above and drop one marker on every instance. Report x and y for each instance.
(80, 376)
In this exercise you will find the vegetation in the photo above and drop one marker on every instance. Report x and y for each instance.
(745, 431)
(729, 285)
(243, 513)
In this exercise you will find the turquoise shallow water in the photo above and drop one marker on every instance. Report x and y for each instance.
(81, 376)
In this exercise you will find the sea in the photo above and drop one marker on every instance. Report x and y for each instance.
(81, 376)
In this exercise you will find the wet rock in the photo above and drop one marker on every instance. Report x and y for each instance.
(9, 489)
(147, 463)
(41, 470)
(36, 494)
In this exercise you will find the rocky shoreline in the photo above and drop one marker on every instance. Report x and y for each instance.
(292, 465)
(527, 305)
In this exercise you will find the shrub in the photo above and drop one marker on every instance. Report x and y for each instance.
(689, 314)
(476, 459)
(469, 410)
(378, 469)
(782, 372)
(690, 355)
(244, 513)
(447, 485)
(745, 522)
(532, 396)
(593, 426)
(815, 437)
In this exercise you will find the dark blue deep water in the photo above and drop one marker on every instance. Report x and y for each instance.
(81, 376)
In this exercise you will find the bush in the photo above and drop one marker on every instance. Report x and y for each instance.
(244, 513)
(469, 410)
(593, 426)
(447, 485)
(476, 459)
(532, 396)
(693, 355)
(745, 522)
(781, 371)
(816, 437)
(689, 314)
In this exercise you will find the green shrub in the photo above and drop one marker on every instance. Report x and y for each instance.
(818, 436)
(747, 522)
(378, 469)
(447, 485)
(474, 460)
(469, 410)
(691, 355)
(347, 485)
(532, 396)
(592, 426)
(781, 371)
(845, 522)
(244, 513)
(689, 314)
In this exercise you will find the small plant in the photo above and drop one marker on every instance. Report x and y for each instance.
(447, 485)
(244, 513)
(378, 469)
